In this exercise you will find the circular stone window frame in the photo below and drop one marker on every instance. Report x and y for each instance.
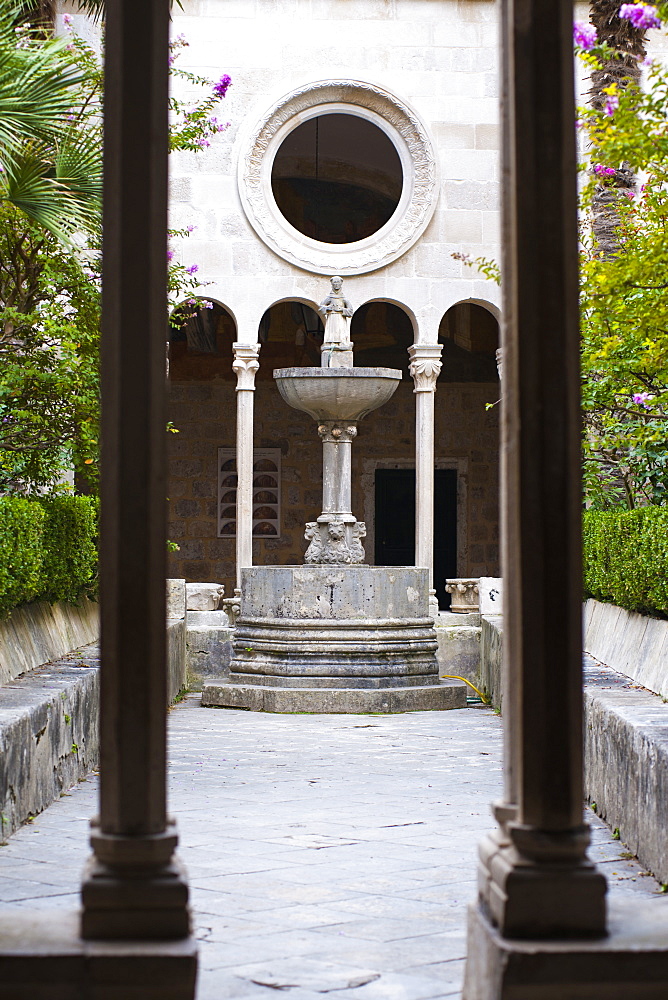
(406, 131)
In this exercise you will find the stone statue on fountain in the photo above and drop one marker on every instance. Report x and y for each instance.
(337, 349)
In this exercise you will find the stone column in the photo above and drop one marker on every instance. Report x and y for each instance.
(133, 887)
(535, 879)
(245, 365)
(425, 367)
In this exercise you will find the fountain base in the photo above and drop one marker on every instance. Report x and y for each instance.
(335, 639)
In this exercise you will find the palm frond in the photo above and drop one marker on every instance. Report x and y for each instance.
(62, 194)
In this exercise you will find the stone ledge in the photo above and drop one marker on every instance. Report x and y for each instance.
(633, 644)
(48, 734)
(626, 762)
(41, 632)
(42, 957)
(631, 963)
(341, 701)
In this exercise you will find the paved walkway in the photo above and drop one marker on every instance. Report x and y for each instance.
(327, 854)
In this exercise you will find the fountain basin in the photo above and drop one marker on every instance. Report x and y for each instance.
(337, 393)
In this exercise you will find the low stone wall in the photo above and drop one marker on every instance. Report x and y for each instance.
(633, 644)
(48, 734)
(626, 763)
(626, 733)
(40, 632)
(208, 647)
(491, 658)
(49, 710)
(458, 652)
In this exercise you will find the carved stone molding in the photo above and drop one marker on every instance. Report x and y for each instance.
(400, 123)
(425, 366)
(246, 365)
(334, 432)
(335, 541)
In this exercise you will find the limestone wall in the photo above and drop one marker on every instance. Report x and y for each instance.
(41, 632)
(204, 413)
(439, 56)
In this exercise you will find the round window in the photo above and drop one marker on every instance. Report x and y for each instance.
(337, 178)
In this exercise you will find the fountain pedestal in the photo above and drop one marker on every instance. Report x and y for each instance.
(335, 635)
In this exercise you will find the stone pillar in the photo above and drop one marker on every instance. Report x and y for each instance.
(535, 879)
(133, 887)
(245, 365)
(425, 367)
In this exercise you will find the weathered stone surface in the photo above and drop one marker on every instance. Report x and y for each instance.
(43, 957)
(629, 963)
(208, 649)
(203, 596)
(48, 734)
(176, 658)
(633, 644)
(176, 598)
(40, 632)
(459, 651)
(491, 658)
(490, 594)
(464, 595)
(626, 763)
(322, 701)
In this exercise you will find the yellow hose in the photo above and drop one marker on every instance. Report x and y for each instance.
(454, 677)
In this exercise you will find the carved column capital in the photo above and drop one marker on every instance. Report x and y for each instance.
(245, 365)
(336, 432)
(425, 366)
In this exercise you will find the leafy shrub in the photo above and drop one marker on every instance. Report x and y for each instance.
(626, 558)
(69, 562)
(48, 549)
(21, 549)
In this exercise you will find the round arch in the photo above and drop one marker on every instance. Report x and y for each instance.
(290, 332)
(201, 332)
(469, 335)
(382, 330)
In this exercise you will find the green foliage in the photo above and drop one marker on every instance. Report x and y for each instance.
(21, 531)
(626, 558)
(69, 560)
(624, 295)
(47, 549)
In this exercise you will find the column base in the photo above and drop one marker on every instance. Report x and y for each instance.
(632, 962)
(42, 957)
(134, 906)
(540, 899)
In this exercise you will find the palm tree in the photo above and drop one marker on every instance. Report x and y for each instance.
(622, 68)
(50, 149)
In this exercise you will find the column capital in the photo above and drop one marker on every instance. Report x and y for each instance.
(425, 366)
(337, 431)
(246, 365)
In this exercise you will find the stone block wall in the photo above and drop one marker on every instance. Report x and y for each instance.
(204, 413)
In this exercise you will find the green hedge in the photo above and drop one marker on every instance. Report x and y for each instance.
(626, 558)
(48, 549)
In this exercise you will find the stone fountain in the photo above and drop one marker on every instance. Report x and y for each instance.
(335, 635)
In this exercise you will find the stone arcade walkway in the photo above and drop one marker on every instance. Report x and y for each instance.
(328, 855)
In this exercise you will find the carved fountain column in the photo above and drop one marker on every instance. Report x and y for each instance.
(425, 368)
(245, 365)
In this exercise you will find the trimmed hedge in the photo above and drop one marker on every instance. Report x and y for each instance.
(48, 549)
(626, 558)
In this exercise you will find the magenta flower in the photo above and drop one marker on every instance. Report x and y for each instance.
(641, 15)
(221, 88)
(642, 398)
(191, 229)
(604, 171)
(193, 269)
(584, 35)
(611, 105)
(170, 255)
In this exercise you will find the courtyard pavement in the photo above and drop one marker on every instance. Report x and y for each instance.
(327, 855)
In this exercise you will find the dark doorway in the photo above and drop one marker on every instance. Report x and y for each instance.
(395, 523)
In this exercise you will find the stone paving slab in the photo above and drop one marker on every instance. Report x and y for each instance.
(328, 855)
